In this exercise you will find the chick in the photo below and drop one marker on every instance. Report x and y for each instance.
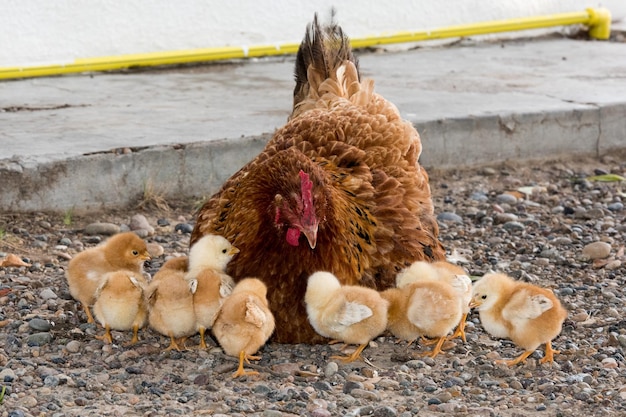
(245, 322)
(351, 314)
(170, 302)
(208, 258)
(179, 263)
(120, 303)
(445, 271)
(85, 271)
(527, 314)
(423, 308)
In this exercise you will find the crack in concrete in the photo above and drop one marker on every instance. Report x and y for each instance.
(15, 109)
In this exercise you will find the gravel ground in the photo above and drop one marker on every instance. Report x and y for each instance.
(538, 222)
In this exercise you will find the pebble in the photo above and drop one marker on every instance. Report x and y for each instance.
(616, 206)
(596, 250)
(48, 294)
(384, 411)
(155, 250)
(514, 226)
(39, 339)
(39, 324)
(184, 228)
(73, 346)
(506, 199)
(106, 229)
(139, 222)
(331, 369)
(449, 217)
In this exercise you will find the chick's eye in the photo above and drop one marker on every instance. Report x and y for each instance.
(224, 251)
(135, 253)
(484, 297)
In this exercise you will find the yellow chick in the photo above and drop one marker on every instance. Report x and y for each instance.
(120, 304)
(170, 302)
(527, 314)
(85, 271)
(208, 258)
(350, 314)
(245, 322)
(424, 308)
(453, 274)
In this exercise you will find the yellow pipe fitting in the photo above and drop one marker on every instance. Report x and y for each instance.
(597, 20)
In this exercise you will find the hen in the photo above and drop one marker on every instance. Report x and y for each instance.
(338, 188)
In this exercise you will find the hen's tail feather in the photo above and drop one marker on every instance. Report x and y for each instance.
(323, 50)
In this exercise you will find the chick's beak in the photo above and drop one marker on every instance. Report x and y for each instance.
(474, 303)
(233, 251)
(145, 256)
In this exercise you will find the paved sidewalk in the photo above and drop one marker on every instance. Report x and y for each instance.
(187, 130)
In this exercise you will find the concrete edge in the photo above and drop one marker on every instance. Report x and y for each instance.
(181, 172)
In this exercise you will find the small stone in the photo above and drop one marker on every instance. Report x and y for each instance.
(616, 206)
(202, 379)
(609, 363)
(447, 216)
(155, 250)
(47, 294)
(612, 265)
(596, 250)
(163, 222)
(39, 325)
(184, 228)
(513, 226)
(139, 222)
(322, 386)
(351, 385)
(501, 218)
(331, 369)
(7, 375)
(39, 339)
(272, 413)
(384, 411)
(320, 412)
(488, 171)
(367, 395)
(80, 401)
(73, 346)
(106, 229)
(506, 199)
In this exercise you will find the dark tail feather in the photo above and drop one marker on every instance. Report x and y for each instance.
(324, 48)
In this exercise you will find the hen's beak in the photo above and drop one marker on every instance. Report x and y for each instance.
(233, 251)
(311, 236)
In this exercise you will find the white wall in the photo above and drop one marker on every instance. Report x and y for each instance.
(36, 32)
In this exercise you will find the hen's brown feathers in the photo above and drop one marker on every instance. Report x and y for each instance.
(369, 194)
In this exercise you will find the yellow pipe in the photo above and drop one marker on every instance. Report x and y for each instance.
(597, 20)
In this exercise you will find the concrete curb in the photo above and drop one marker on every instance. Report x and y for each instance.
(110, 180)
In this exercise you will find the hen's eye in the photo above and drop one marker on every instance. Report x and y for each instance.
(135, 253)
(484, 297)
(224, 251)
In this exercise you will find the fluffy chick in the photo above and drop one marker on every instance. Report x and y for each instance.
(350, 314)
(120, 303)
(453, 274)
(245, 322)
(85, 271)
(424, 308)
(527, 314)
(208, 258)
(170, 302)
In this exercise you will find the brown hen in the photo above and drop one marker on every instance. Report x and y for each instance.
(337, 189)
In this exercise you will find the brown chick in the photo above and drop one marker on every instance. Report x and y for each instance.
(453, 274)
(351, 314)
(245, 322)
(180, 263)
(527, 314)
(120, 303)
(170, 302)
(423, 308)
(85, 271)
(208, 258)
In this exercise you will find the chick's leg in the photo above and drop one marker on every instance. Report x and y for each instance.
(437, 349)
(460, 330)
(201, 330)
(242, 372)
(135, 338)
(520, 358)
(351, 358)
(106, 337)
(88, 313)
(549, 357)
(173, 344)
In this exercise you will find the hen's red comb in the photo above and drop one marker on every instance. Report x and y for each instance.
(306, 185)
